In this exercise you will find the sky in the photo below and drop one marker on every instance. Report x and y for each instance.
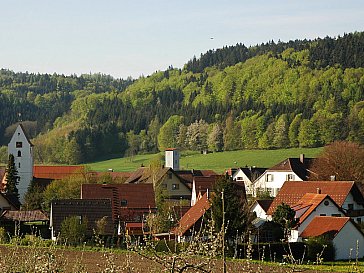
(132, 38)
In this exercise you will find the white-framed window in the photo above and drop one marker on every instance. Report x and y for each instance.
(268, 177)
(290, 177)
(239, 178)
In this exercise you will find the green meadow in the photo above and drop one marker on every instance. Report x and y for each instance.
(213, 161)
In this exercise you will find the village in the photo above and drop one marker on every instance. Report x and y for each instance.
(333, 209)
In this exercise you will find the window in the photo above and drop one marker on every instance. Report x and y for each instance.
(19, 153)
(336, 215)
(124, 202)
(239, 178)
(269, 178)
(290, 177)
(351, 206)
(19, 144)
(175, 186)
(326, 203)
(323, 214)
(19, 165)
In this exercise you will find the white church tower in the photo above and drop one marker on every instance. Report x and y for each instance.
(172, 158)
(22, 150)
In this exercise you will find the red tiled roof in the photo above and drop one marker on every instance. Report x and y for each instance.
(309, 201)
(56, 172)
(192, 215)
(292, 191)
(24, 216)
(323, 225)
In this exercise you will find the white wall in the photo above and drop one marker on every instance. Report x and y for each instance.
(321, 209)
(278, 179)
(346, 240)
(259, 211)
(243, 178)
(24, 163)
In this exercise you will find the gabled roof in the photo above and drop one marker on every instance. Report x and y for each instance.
(252, 172)
(292, 191)
(264, 203)
(202, 183)
(12, 200)
(321, 225)
(192, 215)
(56, 172)
(295, 165)
(310, 201)
(24, 216)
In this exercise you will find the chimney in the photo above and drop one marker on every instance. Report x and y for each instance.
(332, 177)
(302, 158)
(318, 191)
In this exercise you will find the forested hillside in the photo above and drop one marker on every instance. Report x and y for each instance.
(274, 95)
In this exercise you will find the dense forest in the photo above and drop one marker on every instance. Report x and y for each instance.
(273, 95)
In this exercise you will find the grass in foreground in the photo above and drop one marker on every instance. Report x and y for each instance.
(213, 161)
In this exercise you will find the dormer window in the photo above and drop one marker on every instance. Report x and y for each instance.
(19, 144)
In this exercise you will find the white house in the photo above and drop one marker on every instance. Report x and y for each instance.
(248, 175)
(22, 150)
(347, 238)
(260, 208)
(346, 194)
(290, 169)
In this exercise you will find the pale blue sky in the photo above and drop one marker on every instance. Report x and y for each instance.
(130, 38)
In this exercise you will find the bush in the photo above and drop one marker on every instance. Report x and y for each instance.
(4, 238)
(320, 249)
(73, 230)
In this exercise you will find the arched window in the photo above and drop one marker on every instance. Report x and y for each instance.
(19, 153)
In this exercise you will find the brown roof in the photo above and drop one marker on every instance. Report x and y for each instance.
(24, 216)
(56, 172)
(292, 191)
(295, 165)
(252, 172)
(25, 134)
(92, 210)
(12, 200)
(202, 183)
(321, 225)
(125, 198)
(192, 215)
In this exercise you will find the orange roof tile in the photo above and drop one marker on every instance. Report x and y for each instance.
(292, 191)
(310, 201)
(56, 172)
(321, 225)
(192, 215)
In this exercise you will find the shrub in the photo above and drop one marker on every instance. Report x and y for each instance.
(320, 249)
(4, 238)
(73, 230)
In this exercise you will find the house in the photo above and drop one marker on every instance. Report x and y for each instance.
(22, 150)
(347, 238)
(346, 194)
(310, 206)
(8, 202)
(89, 210)
(175, 187)
(130, 203)
(247, 175)
(192, 219)
(290, 169)
(202, 184)
(260, 207)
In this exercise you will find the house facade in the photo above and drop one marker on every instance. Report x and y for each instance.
(290, 169)
(248, 175)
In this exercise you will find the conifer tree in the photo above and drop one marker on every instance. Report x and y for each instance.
(12, 178)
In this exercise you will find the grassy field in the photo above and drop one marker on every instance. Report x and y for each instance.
(214, 161)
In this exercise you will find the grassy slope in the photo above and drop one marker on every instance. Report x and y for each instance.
(215, 161)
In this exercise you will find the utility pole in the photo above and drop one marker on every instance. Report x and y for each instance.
(223, 233)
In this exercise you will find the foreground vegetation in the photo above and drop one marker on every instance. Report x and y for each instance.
(213, 161)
